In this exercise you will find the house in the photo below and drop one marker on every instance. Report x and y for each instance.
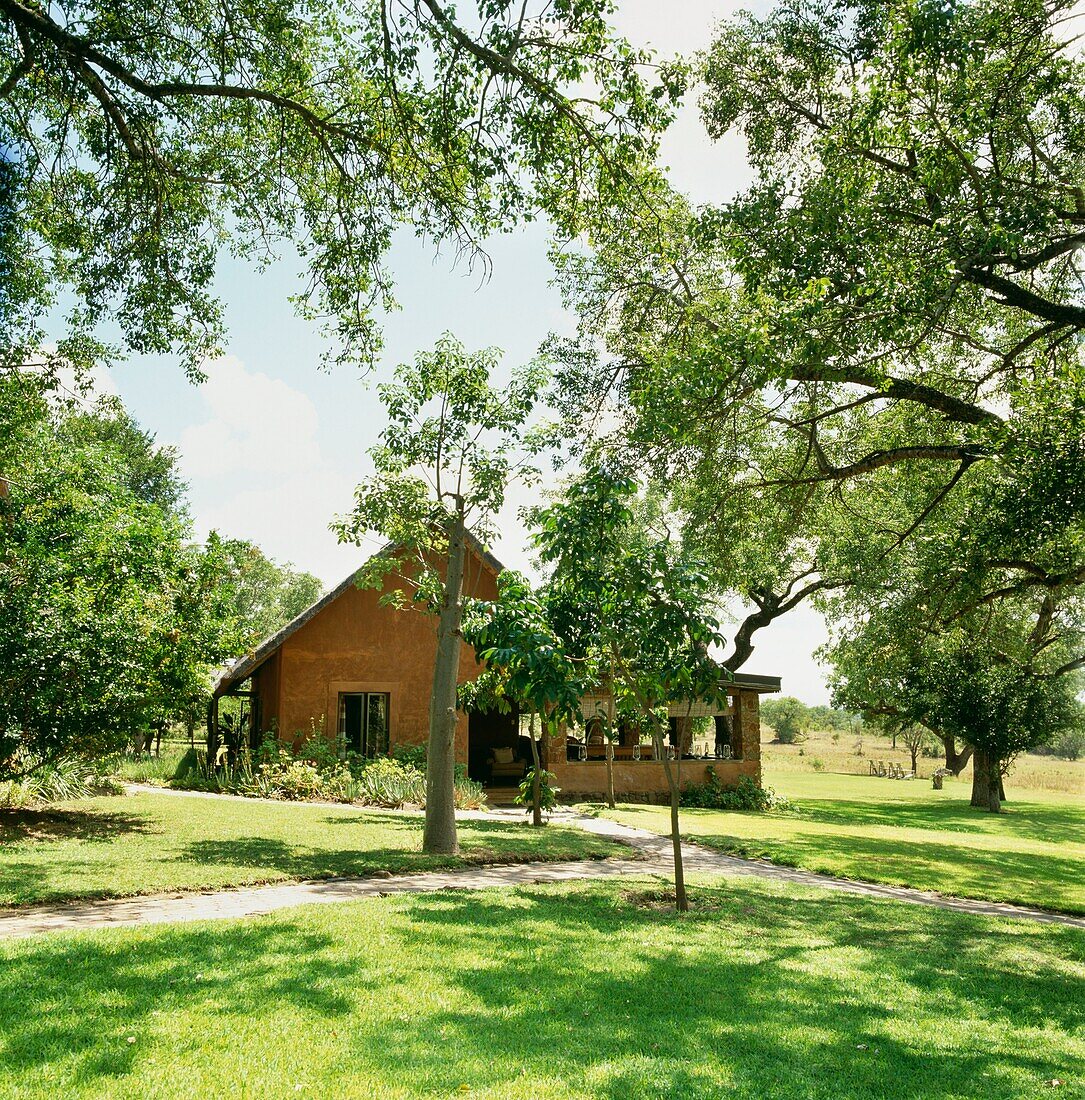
(351, 669)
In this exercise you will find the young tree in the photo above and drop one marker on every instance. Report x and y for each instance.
(634, 609)
(915, 739)
(528, 666)
(453, 444)
(787, 716)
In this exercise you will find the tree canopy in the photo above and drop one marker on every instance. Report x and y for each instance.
(111, 616)
(864, 371)
(138, 141)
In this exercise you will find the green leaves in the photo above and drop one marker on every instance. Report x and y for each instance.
(110, 620)
(625, 598)
(140, 141)
(453, 443)
(527, 661)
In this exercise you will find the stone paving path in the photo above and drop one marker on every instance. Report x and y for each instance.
(651, 855)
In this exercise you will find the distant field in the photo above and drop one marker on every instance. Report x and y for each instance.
(837, 752)
(905, 834)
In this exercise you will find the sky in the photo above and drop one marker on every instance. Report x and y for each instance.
(272, 445)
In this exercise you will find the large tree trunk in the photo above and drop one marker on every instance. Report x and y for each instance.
(988, 792)
(440, 830)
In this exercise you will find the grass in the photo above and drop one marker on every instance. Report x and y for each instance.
(905, 834)
(117, 847)
(553, 992)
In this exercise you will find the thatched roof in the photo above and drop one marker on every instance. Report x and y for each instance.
(245, 666)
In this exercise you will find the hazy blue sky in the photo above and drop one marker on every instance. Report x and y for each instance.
(272, 446)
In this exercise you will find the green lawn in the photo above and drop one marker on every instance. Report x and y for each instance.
(115, 847)
(553, 992)
(906, 834)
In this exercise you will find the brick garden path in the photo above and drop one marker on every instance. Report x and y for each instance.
(651, 854)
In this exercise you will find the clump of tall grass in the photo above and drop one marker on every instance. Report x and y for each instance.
(62, 781)
(156, 771)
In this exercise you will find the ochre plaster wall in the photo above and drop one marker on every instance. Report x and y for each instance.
(354, 644)
(265, 682)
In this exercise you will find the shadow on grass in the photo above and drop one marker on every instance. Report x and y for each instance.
(766, 995)
(480, 842)
(297, 861)
(1031, 820)
(1050, 881)
(45, 825)
(233, 974)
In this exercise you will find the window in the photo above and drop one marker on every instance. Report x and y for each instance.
(363, 722)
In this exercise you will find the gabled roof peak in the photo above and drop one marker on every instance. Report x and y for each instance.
(243, 667)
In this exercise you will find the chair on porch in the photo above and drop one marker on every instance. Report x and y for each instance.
(505, 764)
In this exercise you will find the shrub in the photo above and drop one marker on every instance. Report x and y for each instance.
(389, 782)
(316, 773)
(469, 794)
(414, 755)
(713, 794)
(60, 782)
(548, 793)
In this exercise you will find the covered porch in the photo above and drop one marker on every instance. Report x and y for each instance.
(725, 737)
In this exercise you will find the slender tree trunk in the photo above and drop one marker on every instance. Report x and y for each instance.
(212, 734)
(915, 759)
(681, 902)
(440, 830)
(536, 792)
(610, 743)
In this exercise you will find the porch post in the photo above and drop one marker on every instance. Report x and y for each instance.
(746, 729)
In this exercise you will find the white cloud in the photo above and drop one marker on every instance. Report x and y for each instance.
(257, 424)
(288, 519)
(90, 384)
(257, 471)
(86, 385)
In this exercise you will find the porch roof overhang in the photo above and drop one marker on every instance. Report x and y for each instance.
(698, 708)
(748, 681)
